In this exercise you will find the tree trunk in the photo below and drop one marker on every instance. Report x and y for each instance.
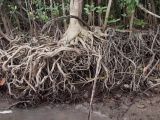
(75, 10)
(107, 14)
(153, 9)
(74, 26)
(131, 23)
(99, 15)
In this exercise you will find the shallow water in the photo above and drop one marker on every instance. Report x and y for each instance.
(124, 109)
(60, 112)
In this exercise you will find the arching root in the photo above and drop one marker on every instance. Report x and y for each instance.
(32, 69)
(54, 71)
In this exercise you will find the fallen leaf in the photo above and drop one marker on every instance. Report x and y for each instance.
(2, 82)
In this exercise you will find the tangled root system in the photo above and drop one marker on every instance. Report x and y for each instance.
(40, 66)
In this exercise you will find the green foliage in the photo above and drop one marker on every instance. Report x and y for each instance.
(55, 10)
(39, 12)
(41, 15)
(92, 8)
(130, 4)
(42, 10)
(100, 9)
(89, 8)
(139, 23)
(12, 8)
(113, 21)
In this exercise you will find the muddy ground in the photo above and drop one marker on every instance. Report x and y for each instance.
(118, 107)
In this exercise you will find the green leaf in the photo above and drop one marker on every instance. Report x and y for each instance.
(114, 20)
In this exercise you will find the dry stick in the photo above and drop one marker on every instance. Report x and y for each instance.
(94, 84)
(16, 103)
(153, 57)
(51, 7)
(153, 9)
(107, 75)
(64, 14)
(131, 23)
(99, 14)
(29, 17)
(149, 65)
(107, 14)
(151, 70)
(149, 74)
(147, 11)
(155, 37)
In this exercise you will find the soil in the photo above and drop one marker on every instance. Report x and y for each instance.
(118, 107)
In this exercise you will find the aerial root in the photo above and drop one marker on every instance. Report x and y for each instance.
(50, 69)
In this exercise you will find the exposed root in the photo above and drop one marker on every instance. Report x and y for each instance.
(42, 68)
(75, 35)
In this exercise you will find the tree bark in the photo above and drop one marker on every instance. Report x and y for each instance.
(75, 10)
(99, 15)
(107, 14)
(74, 26)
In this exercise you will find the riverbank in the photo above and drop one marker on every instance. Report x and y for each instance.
(115, 108)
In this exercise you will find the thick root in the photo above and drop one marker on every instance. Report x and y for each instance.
(49, 70)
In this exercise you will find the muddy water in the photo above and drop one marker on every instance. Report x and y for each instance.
(57, 112)
(124, 109)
